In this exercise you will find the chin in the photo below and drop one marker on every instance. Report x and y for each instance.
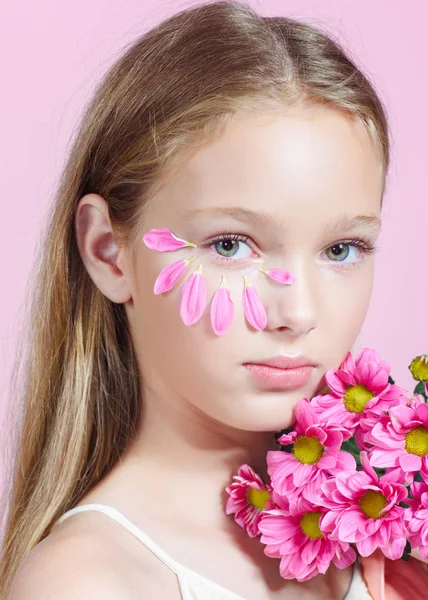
(267, 421)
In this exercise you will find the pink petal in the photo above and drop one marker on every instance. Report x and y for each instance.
(302, 473)
(348, 363)
(164, 240)
(193, 298)
(367, 546)
(169, 276)
(345, 461)
(410, 462)
(305, 414)
(253, 308)
(395, 548)
(328, 461)
(334, 382)
(279, 275)
(222, 309)
(344, 560)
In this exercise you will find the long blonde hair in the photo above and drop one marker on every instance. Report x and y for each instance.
(75, 380)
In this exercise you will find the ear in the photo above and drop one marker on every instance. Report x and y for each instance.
(99, 252)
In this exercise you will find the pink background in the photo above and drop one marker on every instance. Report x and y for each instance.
(53, 54)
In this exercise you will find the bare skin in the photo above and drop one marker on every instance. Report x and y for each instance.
(203, 415)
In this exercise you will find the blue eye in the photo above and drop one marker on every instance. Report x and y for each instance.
(232, 246)
(340, 251)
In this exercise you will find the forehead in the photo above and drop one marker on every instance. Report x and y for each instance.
(293, 164)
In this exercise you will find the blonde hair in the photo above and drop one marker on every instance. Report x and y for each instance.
(176, 86)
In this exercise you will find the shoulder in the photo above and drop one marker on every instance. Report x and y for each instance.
(88, 558)
(68, 569)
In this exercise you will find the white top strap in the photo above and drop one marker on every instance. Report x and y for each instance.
(357, 590)
(130, 526)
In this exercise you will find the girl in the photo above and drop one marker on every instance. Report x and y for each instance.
(250, 143)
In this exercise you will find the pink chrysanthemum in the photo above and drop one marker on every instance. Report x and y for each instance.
(249, 496)
(293, 533)
(400, 439)
(360, 392)
(364, 509)
(416, 517)
(315, 454)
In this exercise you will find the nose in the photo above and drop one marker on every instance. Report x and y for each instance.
(293, 308)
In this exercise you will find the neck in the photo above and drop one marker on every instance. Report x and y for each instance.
(181, 454)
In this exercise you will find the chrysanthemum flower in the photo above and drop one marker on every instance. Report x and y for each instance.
(293, 533)
(416, 517)
(249, 496)
(419, 368)
(360, 392)
(400, 439)
(364, 509)
(315, 453)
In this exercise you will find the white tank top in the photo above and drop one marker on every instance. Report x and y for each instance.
(192, 585)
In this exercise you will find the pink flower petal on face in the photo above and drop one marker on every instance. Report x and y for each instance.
(254, 310)
(222, 309)
(169, 276)
(164, 240)
(279, 275)
(193, 298)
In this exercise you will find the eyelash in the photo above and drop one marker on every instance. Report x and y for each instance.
(363, 243)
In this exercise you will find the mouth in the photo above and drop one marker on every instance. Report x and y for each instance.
(276, 377)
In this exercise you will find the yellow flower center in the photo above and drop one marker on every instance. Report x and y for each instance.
(419, 368)
(356, 398)
(372, 503)
(307, 450)
(417, 441)
(309, 523)
(258, 498)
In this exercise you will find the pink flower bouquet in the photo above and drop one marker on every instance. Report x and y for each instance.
(351, 475)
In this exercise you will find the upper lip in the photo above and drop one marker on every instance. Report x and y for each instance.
(285, 362)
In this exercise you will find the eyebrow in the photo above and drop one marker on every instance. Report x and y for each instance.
(263, 219)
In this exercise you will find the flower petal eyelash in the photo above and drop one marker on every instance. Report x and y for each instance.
(164, 240)
(280, 276)
(222, 309)
(254, 310)
(169, 276)
(193, 298)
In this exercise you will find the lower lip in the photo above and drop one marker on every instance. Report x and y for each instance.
(287, 379)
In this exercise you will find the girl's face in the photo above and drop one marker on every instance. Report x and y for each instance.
(303, 193)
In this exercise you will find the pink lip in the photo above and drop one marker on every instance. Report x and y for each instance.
(285, 362)
(274, 377)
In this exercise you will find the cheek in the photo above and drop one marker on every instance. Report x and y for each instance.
(347, 307)
(178, 349)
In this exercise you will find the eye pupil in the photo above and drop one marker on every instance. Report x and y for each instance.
(228, 245)
(340, 251)
(337, 249)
